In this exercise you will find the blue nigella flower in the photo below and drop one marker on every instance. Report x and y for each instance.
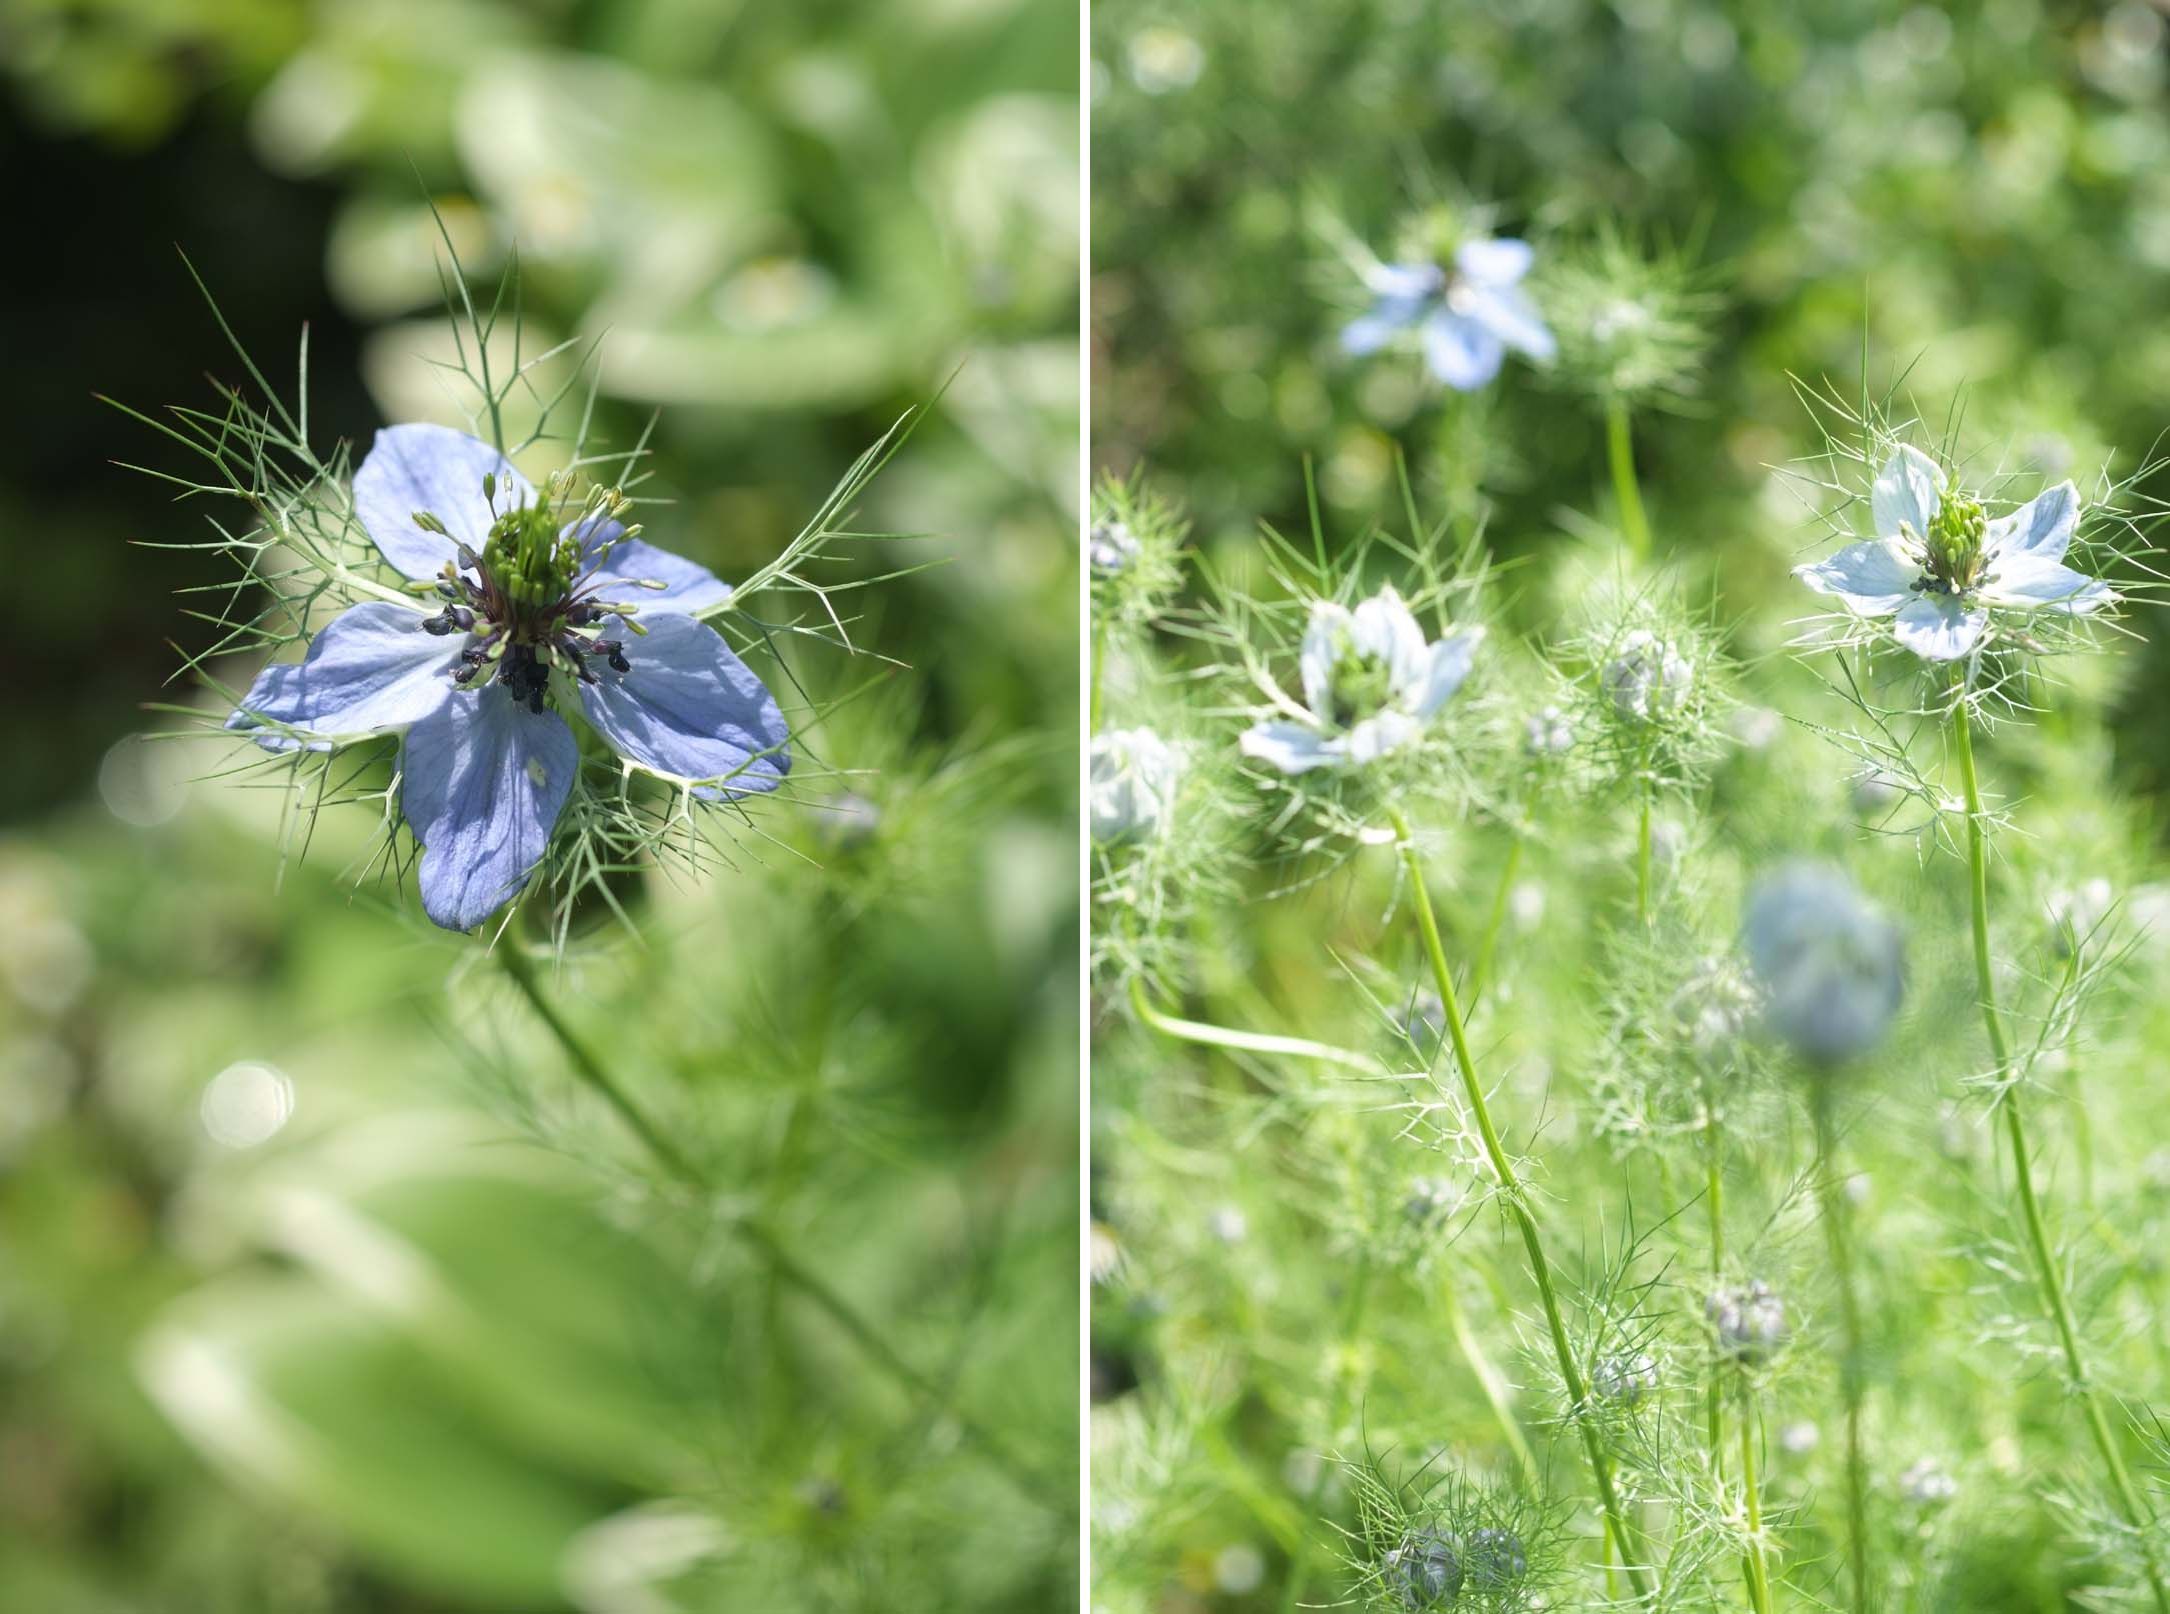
(1466, 317)
(486, 760)
(1832, 967)
(1939, 565)
(1371, 685)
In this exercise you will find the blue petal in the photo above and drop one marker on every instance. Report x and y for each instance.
(1908, 492)
(1937, 627)
(436, 469)
(1499, 262)
(2026, 582)
(1508, 314)
(1445, 669)
(688, 588)
(1873, 578)
(690, 709)
(1405, 284)
(1289, 746)
(1460, 352)
(1368, 333)
(482, 782)
(2040, 527)
(369, 670)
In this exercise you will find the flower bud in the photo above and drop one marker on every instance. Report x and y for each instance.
(1831, 965)
(1648, 680)
(1626, 1378)
(1425, 1571)
(1110, 547)
(1750, 1323)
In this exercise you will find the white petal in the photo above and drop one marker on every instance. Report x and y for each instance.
(1290, 747)
(2041, 527)
(1383, 626)
(1376, 736)
(1910, 491)
(1508, 313)
(1444, 669)
(1499, 262)
(1873, 578)
(1405, 282)
(2025, 582)
(1461, 353)
(1330, 627)
(1937, 627)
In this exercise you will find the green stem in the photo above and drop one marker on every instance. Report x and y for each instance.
(1642, 858)
(1838, 1233)
(762, 1239)
(2047, 1271)
(1490, 1381)
(1714, 1208)
(1753, 1567)
(1626, 490)
(1249, 1042)
(1516, 1201)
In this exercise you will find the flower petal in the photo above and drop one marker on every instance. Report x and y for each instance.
(1873, 578)
(1445, 667)
(370, 669)
(1329, 628)
(1937, 627)
(690, 709)
(1499, 262)
(1368, 333)
(436, 469)
(688, 587)
(1383, 626)
(2026, 582)
(1461, 353)
(482, 780)
(1376, 736)
(1910, 490)
(1508, 313)
(1404, 283)
(2041, 527)
(1290, 747)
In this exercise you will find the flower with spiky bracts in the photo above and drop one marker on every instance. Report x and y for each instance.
(1371, 684)
(1942, 568)
(549, 605)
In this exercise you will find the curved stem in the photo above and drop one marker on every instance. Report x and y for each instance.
(1832, 1210)
(762, 1239)
(2047, 1270)
(1248, 1042)
(1626, 490)
(1511, 1193)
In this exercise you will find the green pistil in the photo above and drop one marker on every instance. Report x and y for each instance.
(1361, 686)
(1954, 542)
(528, 558)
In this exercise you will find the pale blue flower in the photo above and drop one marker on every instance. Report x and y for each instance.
(1371, 684)
(1831, 966)
(1134, 774)
(1465, 317)
(538, 615)
(1940, 567)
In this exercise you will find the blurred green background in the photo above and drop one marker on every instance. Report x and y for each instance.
(319, 1290)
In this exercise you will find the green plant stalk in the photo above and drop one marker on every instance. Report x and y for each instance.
(1480, 975)
(1642, 858)
(763, 1240)
(2051, 1278)
(1714, 1208)
(1248, 1042)
(1626, 490)
(1517, 1205)
(1490, 1381)
(1756, 1571)
(1838, 1234)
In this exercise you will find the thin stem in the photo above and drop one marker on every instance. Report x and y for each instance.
(1511, 1193)
(1754, 1569)
(763, 1240)
(1490, 1381)
(2047, 1270)
(1642, 858)
(1626, 490)
(1249, 1042)
(1838, 1233)
(1714, 1209)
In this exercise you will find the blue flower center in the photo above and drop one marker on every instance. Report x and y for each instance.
(528, 599)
